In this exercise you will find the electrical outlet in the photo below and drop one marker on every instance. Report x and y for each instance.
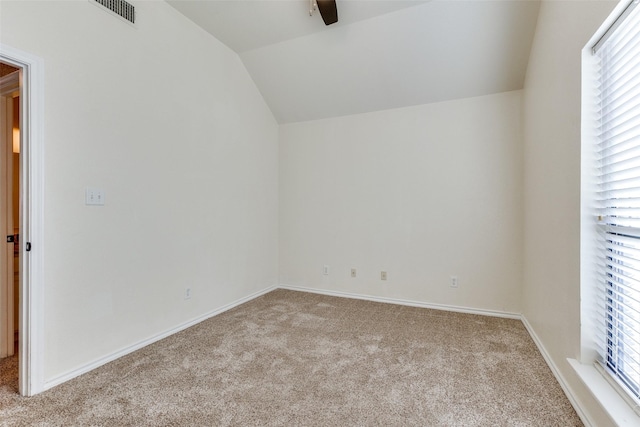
(187, 293)
(325, 270)
(353, 272)
(383, 275)
(454, 282)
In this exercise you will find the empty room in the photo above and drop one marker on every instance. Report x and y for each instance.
(293, 212)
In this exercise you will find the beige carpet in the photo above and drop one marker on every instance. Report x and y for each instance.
(299, 359)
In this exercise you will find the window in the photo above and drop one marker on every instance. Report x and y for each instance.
(617, 159)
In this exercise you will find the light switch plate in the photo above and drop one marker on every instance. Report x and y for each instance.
(94, 197)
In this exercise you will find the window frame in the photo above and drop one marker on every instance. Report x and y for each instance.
(592, 314)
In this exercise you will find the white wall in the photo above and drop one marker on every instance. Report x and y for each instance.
(422, 192)
(166, 120)
(551, 293)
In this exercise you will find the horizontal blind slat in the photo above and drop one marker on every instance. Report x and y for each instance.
(621, 174)
(618, 231)
(606, 207)
(629, 159)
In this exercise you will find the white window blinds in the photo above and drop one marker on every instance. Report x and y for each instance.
(618, 152)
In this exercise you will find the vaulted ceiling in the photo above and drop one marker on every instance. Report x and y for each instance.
(381, 54)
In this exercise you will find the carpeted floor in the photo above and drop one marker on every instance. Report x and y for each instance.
(299, 359)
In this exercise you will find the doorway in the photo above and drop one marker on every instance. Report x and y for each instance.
(30, 357)
(10, 143)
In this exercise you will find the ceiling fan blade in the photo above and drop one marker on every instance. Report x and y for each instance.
(328, 11)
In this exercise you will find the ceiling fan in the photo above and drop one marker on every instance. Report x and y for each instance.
(327, 8)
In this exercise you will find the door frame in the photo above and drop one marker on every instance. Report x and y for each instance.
(9, 85)
(31, 316)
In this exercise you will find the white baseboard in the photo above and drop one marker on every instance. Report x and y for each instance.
(129, 349)
(575, 402)
(444, 307)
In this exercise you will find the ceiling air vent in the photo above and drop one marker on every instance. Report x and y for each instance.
(121, 8)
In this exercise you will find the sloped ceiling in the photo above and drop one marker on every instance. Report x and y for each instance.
(382, 54)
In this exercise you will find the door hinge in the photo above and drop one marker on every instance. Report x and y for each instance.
(27, 247)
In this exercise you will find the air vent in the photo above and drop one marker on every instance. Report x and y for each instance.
(120, 7)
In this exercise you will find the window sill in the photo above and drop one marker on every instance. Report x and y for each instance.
(616, 406)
